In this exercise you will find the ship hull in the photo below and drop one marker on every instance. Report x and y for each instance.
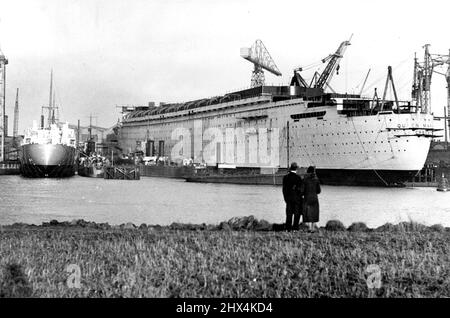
(378, 178)
(346, 146)
(91, 172)
(177, 172)
(389, 178)
(47, 161)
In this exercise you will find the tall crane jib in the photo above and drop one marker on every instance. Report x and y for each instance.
(261, 59)
(322, 81)
(332, 66)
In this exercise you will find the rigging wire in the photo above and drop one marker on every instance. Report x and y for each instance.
(379, 79)
(367, 153)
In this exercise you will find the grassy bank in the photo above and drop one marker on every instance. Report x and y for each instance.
(202, 261)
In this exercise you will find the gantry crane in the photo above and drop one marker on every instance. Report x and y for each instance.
(261, 59)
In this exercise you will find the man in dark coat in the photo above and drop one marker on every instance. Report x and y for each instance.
(310, 190)
(292, 184)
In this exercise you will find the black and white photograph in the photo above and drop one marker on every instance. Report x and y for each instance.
(236, 152)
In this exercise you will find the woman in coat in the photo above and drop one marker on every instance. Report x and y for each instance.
(311, 188)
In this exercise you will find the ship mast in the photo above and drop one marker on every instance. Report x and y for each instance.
(50, 104)
(52, 118)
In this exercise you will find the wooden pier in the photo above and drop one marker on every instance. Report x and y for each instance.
(122, 173)
(9, 168)
(427, 177)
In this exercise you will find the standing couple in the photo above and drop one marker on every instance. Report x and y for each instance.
(301, 198)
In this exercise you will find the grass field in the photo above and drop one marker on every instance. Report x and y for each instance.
(410, 261)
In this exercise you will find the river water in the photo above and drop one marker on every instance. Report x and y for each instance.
(163, 201)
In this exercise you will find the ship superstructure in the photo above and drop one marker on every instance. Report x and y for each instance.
(349, 139)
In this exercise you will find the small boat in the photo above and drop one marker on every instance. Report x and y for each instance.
(92, 166)
(443, 184)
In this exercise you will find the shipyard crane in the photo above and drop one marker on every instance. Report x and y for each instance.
(332, 66)
(438, 60)
(261, 59)
(421, 89)
(422, 80)
(323, 80)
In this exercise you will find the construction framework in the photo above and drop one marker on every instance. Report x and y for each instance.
(3, 63)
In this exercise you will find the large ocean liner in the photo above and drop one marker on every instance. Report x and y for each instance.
(48, 150)
(350, 139)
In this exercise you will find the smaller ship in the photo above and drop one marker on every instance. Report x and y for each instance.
(48, 151)
(156, 166)
(92, 166)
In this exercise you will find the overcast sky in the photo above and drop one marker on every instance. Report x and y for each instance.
(130, 52)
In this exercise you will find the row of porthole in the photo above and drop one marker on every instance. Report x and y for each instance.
(344, 153)
(347, 122)
(357, 143)
(349, 133)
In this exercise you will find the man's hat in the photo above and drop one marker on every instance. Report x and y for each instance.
(294, 166)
